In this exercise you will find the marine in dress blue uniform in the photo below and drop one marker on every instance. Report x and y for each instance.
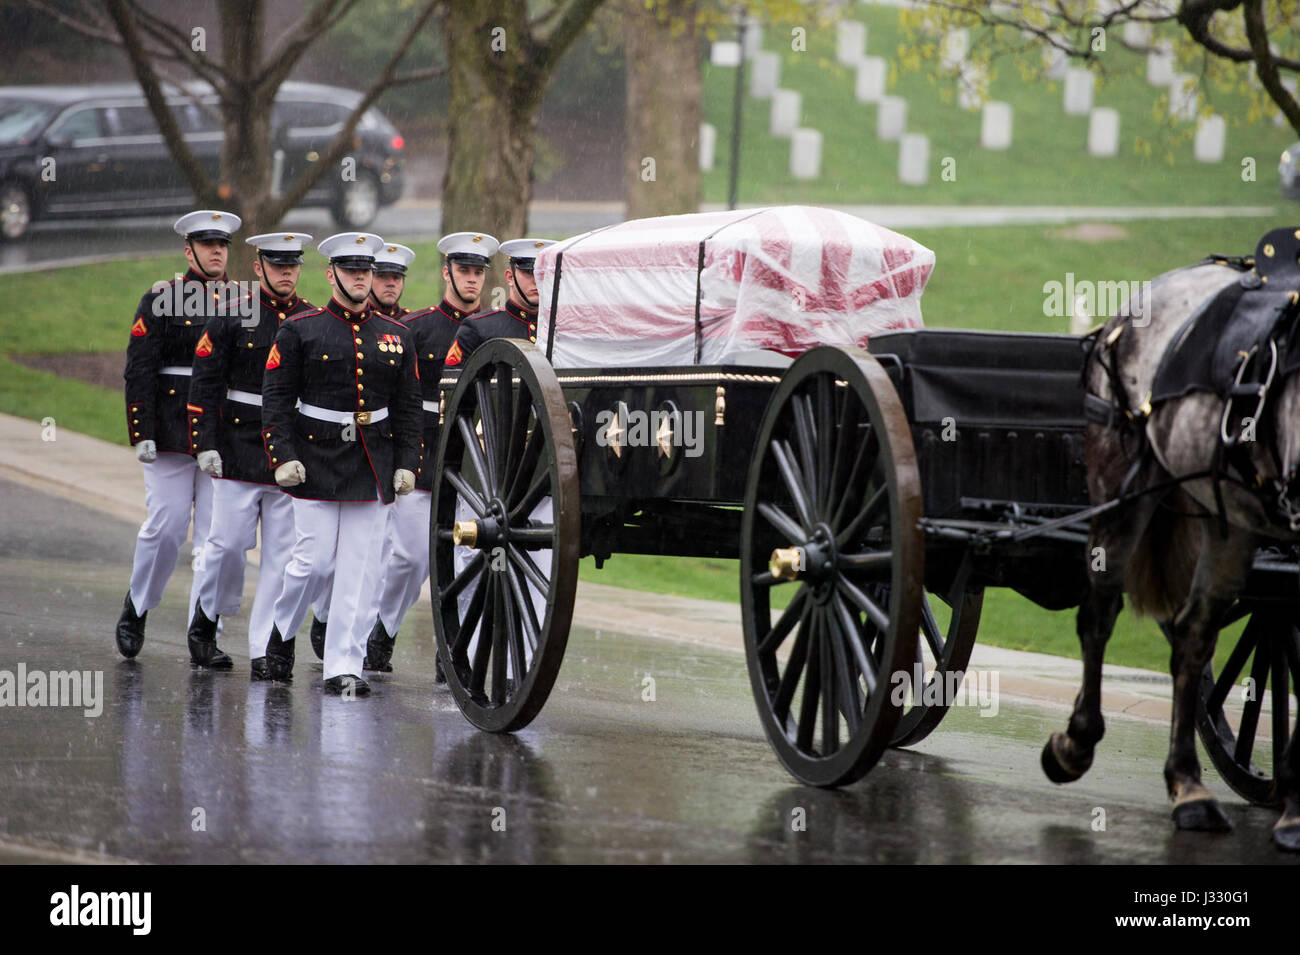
(226, 391)
(466, 258)
(518, 319)
(165, 330)
(341, 429)
(391, 264)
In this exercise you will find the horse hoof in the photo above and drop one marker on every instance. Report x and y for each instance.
(1201, 815)
(1287, 837)
(1052, 766)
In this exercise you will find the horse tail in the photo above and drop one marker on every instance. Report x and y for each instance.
(1161, 569)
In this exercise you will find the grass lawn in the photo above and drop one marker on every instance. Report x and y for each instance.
(989, 278)
(1047, 163)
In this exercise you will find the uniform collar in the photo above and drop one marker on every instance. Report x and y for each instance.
(520, 313)
(193, 276)
(452, 312)
(346, 314)
(396, 311)
(275, 304)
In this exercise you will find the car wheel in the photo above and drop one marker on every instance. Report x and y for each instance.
(15, 211)
(357, 202)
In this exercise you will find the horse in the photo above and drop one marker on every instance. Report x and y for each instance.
(1179, 547)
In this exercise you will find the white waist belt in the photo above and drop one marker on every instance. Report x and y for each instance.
(431, 406)
(344, 417)
(176, 370)
(244, 397)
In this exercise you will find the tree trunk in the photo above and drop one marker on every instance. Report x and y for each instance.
(245, 177)
(491, 120)
(664, 109)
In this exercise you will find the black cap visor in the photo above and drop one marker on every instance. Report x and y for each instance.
(207, 235)
(282, 258)
(359, 262)
(468, 258)
(392, 268)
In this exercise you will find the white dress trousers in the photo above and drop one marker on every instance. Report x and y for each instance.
(320, 603)
(237, 506)
(175, 492)
(407, 568)
(345, 540)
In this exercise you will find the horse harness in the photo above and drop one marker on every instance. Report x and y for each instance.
(1240, 344)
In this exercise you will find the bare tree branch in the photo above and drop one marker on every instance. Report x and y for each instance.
(1266, 63)
(178, 42)
(289, 48)
(556, 42)
(343, 141)
(189, 164)
(100, 30)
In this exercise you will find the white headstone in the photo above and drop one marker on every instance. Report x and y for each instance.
(725, 53)
(786, 108)
(956, 44)
(708, 145)
(1078, 91)
(850, 41)
(753, 38)
(913, 159)
(1211, 138)
(1103, 132)
(1137, 33)
(995, 126)
(806, 154)
(1055, 63)
(1183, 100)
(972, 84)
(1160, 65)
(870, 86)
(765, 75)
(891, 117)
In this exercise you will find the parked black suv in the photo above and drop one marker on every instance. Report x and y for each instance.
(77, 151)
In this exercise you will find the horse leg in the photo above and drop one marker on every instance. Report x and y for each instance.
(1220, 575)
(1286, 832)
(1067, 756)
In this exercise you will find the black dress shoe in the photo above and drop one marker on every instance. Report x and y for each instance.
(347, 685)
(130, 629)
(379, 650)
(318, 637)
(257, 669)
(202, 639)
(279, 658)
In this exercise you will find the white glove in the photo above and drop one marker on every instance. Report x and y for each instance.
(290, 474)
(146, 452)
(403, 481)
(210, 462)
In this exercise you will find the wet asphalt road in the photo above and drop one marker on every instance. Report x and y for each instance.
(186, 766)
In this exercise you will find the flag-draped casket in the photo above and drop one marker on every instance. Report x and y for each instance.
(709, 288)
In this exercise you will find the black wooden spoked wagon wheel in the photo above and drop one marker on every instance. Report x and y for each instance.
(1263, 666)
(833, 485)
(503, 535)
(942, 652)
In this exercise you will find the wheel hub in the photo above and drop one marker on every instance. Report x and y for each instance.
(813, 561)
(486, 533)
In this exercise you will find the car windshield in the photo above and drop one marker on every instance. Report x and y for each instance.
(21, 119)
